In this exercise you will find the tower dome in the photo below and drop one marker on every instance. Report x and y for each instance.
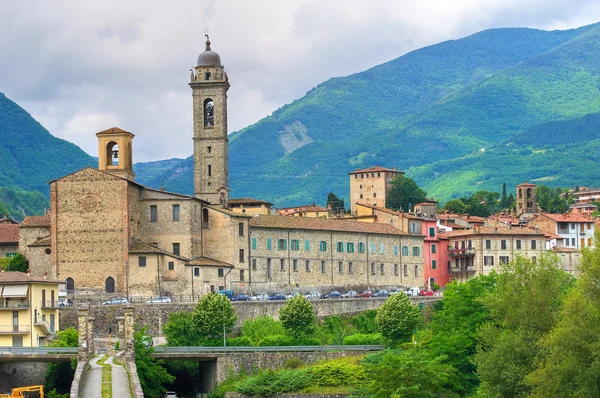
(209, 57)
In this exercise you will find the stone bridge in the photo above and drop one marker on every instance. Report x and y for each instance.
(154, 316)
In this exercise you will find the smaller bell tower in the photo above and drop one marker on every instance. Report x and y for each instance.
(114, 152)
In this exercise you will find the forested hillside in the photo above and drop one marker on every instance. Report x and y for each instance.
(459, 116)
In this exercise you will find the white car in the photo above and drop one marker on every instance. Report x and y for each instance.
(313, 296)
(260, 297)
(170, 394)
(161, 299)
(413, 291)
(293, 294)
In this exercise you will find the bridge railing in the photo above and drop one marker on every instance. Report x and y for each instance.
(233, 350)
(37, 350)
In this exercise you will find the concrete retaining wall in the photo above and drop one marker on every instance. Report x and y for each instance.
(156, 315)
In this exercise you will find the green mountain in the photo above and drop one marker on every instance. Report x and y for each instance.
(31, 157)
(500, 105)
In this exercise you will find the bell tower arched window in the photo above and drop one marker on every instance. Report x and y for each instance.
(109, 285)
(70, 285)
(209, 113)
(529, 193)
(112, 154)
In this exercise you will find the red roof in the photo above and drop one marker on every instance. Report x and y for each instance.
(20, 277)
(36, 221)
(9, 234)
(526, 184)
(568, 217)
(374, 169)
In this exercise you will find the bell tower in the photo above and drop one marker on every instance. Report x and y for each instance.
(209, 85)
(114, 152)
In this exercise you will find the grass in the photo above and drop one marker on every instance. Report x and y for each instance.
(106, 378)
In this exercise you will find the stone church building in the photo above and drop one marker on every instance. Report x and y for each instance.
(106, 233)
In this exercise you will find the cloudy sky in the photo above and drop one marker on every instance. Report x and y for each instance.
(83, 66)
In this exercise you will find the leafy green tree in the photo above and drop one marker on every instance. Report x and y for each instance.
(298, 317)
(213, 316)
(455, 326)
(405, 193)
(260, 327)
(456, 206)
(337, 204)
(178, 330)
(524, 306)
(150, 371)
(398, 318)
(503, 197)
(412, 373)
(18, 263)
(551, 200)
(59, 375)
(571, 367)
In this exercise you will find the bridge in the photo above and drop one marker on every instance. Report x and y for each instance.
(38, 354)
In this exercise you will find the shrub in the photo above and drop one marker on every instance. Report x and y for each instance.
(365, 322)
(258, 328)
(242, 341)
(307, 341)
(363, 339)
(338, 372)
(270, 383)
(435, 287)
(277, 341)
(293, 363)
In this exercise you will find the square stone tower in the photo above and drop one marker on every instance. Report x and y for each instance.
(114, 152)
(371, 186)
(526, 198)
(209, 85)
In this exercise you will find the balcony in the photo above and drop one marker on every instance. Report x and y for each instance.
(49, 304)
(14, 329)
(43, 325)
(14, 305)
(461, 252)
(470, 268)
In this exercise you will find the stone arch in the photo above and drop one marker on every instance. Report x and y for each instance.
(520, 193)
(209, 112)
(529, 192)
(109, 285)
(112, 153)
(70, 285)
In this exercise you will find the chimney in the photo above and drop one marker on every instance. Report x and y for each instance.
(45, 275)
(28, 272)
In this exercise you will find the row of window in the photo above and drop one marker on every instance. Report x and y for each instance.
(340, 247)
(362, 175)
(176, 211)
(488, 244)
(220, 274)
(341, 267)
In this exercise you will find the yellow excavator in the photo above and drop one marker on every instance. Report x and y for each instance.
(21, 392)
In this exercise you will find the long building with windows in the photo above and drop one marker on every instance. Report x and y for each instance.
(311, 253)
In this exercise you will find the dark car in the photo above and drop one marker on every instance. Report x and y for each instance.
(278, 296)
(241, 297)
(333, 294)
(365, 294)
(381, 293)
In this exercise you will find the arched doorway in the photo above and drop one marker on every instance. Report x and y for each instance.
(109, 285)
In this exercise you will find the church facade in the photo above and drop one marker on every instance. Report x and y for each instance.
(110, 234)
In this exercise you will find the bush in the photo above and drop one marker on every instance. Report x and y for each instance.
(307, 341)
(242, 341)
(363, 339)
(365, 322)
(293, 363)
(270, 383)
(258, 328)
(338, 372)
(277, 341)
(435, 287)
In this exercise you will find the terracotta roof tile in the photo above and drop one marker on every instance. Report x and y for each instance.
(310, 223)
(209, 262)
(374, 169)
(9, 233)
(249, 201)
(568, 217)
(22, 277)
(45, 241)
(36, 221)
(494, 231)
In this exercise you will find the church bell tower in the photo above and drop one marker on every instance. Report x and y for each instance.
(209, 85)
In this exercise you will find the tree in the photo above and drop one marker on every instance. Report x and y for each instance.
(213, 316)
(18, 263)
(59, 376)
(455, 326)
(455, 206)
(524, 307)
(150, 371)
(405, 193)
(412, 373)
(298, 317)
(179, 330)
(551, 200)
(503, 198)
(337, 204)
(260, 327)
(397, 319)
(571, 367)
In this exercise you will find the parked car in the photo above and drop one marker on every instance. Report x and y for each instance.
(259, 297)
(170, 394)
(365, 294)
(395, 291)
(116, 300)
(161, 299)
(427, 292)
(241, 297)
(278, 296)
(313, 295)
(413, 291)
(293, 294)
(333, 294)
(64, 302)
(382, 293)
(227, 293)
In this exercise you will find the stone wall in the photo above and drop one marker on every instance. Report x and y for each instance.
(77, 383)
(17, 374)
(156, 315)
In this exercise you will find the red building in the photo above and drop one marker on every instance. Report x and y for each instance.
(435, 255)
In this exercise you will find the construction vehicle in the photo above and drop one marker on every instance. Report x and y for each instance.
(22, 392)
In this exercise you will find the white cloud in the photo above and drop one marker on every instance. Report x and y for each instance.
(77, 65)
